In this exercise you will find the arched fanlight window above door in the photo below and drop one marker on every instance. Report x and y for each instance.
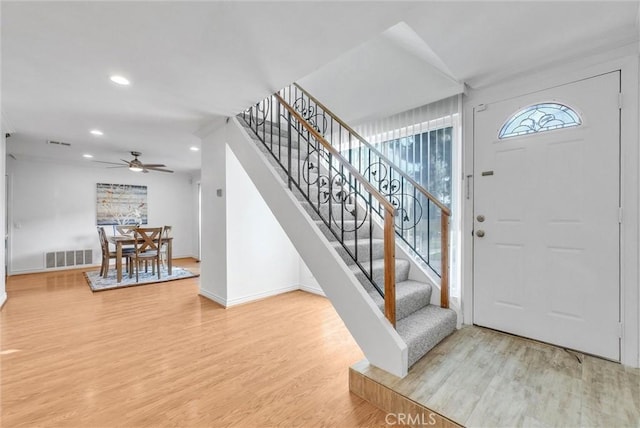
(539, 118)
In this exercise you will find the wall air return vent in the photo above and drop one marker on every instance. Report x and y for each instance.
(58, 143)
(60, 259)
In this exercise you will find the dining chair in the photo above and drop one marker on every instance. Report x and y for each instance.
(147, 244)
(126, 229)
(107, 254)
(166, 233)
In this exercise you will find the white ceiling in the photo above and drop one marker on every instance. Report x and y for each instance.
(392, 72)
(191, 63)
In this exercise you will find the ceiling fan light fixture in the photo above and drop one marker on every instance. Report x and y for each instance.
(136, 169)
(120, 80)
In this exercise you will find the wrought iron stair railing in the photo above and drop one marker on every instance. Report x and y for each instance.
(347, 203)
(419, 211)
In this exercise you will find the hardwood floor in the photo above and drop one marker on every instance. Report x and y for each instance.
(482, 378)
(160, 355)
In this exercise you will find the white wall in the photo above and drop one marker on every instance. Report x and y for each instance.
(195, 217)
(52, 207)
(3, 146)
(261, 259)
(3, 150)
(308, 282)
(213, 269)
(245, 254)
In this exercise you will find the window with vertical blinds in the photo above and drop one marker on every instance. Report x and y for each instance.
(422, 142)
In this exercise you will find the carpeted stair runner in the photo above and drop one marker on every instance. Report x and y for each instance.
(420, 324)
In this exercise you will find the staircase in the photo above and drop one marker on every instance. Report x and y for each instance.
(359, 221)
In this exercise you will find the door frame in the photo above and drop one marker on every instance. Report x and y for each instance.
(629, 185)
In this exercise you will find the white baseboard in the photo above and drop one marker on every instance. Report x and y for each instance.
(112, 264)
(214, 297)
(259, 296)
(3, 299)
(43, 270)
(312, 290)
(188, 256)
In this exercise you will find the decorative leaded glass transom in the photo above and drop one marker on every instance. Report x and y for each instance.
(539, 118)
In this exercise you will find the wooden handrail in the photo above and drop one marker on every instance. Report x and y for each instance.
(338, 156)
(421, 189)
(446, 212)
(389, 214)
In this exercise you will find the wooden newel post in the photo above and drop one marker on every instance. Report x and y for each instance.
(390, 267)
(444, 275)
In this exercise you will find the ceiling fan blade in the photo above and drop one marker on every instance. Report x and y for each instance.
(153, 165)
(112, 163)
(121, 166)
(157, 169)
(127, 162)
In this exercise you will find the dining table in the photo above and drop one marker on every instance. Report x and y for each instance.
(122, 240)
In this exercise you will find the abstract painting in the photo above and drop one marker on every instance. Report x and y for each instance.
(121, 204)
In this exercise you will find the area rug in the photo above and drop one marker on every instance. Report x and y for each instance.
(98, 283)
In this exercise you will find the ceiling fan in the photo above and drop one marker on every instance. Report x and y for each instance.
(136, 166)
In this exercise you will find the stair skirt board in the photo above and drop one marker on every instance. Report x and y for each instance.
(420, 324)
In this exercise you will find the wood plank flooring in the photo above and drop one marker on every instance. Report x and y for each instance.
(160, 355)
(482, 378)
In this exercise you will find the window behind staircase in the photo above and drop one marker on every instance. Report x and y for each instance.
(426, 157)
(421, 142)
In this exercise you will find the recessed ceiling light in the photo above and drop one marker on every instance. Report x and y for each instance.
(96, 132)
(87, 155)
(120, 80)
(194, 149)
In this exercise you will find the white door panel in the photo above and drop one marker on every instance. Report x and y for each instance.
(548, 265)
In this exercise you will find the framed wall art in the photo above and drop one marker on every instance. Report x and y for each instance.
(119, 204)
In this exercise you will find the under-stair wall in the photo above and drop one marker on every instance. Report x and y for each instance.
(252, 257)
(379, 341)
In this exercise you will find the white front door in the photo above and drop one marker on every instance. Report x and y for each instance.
(547, 204)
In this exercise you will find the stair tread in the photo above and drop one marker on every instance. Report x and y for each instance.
(351, 242)
(379, 264)
(424, 329)
(349, 220)
(410, 296)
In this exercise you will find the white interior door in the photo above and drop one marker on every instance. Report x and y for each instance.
(547, 266)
